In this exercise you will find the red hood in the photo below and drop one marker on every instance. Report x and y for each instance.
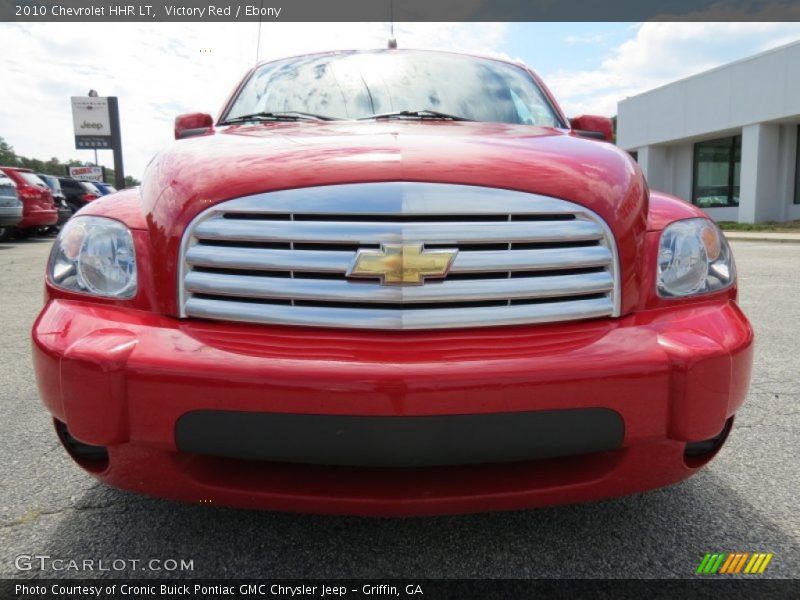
(196, 173)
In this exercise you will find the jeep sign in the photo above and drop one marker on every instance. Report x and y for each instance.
(91, 123)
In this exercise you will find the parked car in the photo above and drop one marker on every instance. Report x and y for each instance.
(38, 209)
(105, 188)
(392, 282)
(10, 207)
(64, 211)
(78, 193)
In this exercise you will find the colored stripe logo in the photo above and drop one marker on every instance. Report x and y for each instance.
(734, 563)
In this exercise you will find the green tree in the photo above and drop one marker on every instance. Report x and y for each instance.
(53, 166)
(7, 155)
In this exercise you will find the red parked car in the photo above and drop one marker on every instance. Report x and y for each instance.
(38, 208)
(392, 282)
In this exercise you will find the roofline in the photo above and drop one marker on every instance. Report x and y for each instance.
(714, 69)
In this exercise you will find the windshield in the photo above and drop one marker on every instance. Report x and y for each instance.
(52, 183)
(32, 179)
(359, 85)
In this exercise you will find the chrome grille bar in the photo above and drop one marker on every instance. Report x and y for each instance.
(398, 198)
(282, 258)
(249, 286)
(331, 261)
(359, 318)
(353, 232)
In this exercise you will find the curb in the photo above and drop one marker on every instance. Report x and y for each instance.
(761, 238)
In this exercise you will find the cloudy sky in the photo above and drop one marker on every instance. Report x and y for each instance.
(161, 70)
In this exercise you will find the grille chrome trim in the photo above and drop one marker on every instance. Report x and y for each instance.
(227, 273)
(253, 286)
(397, 198)
(332, 261)
(358, 318)
(354, 232)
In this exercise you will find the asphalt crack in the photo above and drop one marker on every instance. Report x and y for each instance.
(34, 515)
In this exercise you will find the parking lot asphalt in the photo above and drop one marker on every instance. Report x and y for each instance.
(745, 500)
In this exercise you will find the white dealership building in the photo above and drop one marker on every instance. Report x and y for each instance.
(727, 139)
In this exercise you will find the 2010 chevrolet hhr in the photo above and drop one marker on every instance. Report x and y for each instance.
(391, 282)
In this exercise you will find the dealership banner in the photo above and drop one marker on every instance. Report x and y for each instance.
(87, 173)
(422, 589)
(398, 10)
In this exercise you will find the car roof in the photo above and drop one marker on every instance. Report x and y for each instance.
(19, 169)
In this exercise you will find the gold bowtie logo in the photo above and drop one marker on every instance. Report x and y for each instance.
(402, 264)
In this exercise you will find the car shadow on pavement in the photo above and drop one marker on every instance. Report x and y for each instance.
(663, 533)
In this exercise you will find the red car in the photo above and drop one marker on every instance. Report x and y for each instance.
(38, 207)
(392, 283)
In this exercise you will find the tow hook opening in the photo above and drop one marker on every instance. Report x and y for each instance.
(91, 458)
(696, 454)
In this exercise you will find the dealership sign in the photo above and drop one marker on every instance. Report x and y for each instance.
(91, 123)
(86, 173)
(95, 122)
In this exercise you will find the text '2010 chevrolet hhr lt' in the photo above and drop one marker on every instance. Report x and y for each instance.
(391, 283)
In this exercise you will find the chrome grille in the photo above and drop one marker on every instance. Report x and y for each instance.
(282, 258)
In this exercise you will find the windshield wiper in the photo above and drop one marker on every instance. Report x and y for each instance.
(417, 114)
(289, 115)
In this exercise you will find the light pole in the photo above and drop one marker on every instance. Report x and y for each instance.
(94, 94)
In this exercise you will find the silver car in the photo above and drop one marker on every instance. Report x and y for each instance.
(10, 207)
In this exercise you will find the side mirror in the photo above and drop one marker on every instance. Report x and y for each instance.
(591, 126)
(192, 124)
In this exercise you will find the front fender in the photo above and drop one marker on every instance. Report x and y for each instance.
(125, 206)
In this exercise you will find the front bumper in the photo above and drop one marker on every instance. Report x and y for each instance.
(10, 215)
(131, 380)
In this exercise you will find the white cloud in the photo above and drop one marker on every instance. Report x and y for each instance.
(161, 70)
(589, 38)
(660, 53)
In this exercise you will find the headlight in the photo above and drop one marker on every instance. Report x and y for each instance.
(693, 258)
(94, 255)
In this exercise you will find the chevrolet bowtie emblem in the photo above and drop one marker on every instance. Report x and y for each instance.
(402, 264)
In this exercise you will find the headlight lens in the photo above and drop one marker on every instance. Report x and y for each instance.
(693, 258)
(94, 255)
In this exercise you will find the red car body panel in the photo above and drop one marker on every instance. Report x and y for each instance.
(38, 208)
(121, 373)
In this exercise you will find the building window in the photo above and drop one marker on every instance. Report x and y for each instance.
(797, 170)
(717, 169)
